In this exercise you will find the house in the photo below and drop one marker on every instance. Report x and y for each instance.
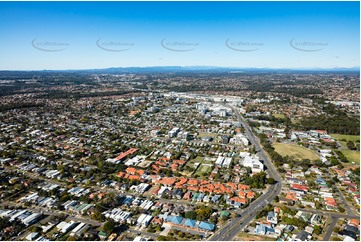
(102, 235)
(200, 197)
(31, 219)
(298, 187)
(162, 190)
(77, 228)
(279, 229)
(272, 217)
(309, 229)
(190, 223)
(292, 180)
(253, 162)
(32, 236)
(125, 154)
(144, 220)
(206, 226)
(225, 214)
(206, 199)
(174, 219)
(68, 226)
(215, 198)
(289, 228)
(354, 222)
(316, 219)
(178, 193)
(350, 231)
(305, 216)
(157, 220)
(187, 195)
(348, 239)
(263, 229)
(302, 236)
(140, 238)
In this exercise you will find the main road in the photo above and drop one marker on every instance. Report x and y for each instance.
(232, 228)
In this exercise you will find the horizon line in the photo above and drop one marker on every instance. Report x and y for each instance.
(201, 67)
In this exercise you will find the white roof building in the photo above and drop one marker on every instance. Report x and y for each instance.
(253, 162)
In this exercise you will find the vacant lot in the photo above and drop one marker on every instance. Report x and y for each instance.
(298, 152)
(251, 237)
(354, 138)
(352, 155)
(213, 135)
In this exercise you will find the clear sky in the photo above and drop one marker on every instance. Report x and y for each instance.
(81, 35)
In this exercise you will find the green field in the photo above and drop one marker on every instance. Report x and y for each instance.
(354, 138)
(203, 170)
(298, 152)
(279, 115)
(198, 159)
(352, 155)
(295, 121)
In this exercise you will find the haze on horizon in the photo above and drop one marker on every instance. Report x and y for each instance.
(85, 35)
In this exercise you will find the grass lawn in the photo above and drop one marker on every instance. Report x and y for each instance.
(203, 169)
(298, 152)
(279, 115)
(352, 155)
(347, 137)
(295, 121)
(198, 159)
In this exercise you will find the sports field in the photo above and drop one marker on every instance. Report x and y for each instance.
(298, 152)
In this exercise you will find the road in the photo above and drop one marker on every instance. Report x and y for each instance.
(144, 233)
(53, 212)
(326, 213)
(345, 202)
(330, 228)
(232, 228)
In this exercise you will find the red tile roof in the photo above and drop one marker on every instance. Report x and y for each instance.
(125, 154)
(243, 187)
(291, 196)
(251, 194)
(299, 187)
(240, 200)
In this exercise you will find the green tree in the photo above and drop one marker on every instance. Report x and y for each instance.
(271, 181)
(108, 227)
(190, 215)
(351, 145)
(317, 230)
(36, 229)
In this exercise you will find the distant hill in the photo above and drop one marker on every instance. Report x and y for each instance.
(178, 69)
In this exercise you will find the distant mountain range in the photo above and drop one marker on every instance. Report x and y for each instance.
(182, 69)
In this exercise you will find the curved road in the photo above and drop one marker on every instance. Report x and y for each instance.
(232, 228)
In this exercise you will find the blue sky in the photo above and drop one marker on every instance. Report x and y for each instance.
(81, 35)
